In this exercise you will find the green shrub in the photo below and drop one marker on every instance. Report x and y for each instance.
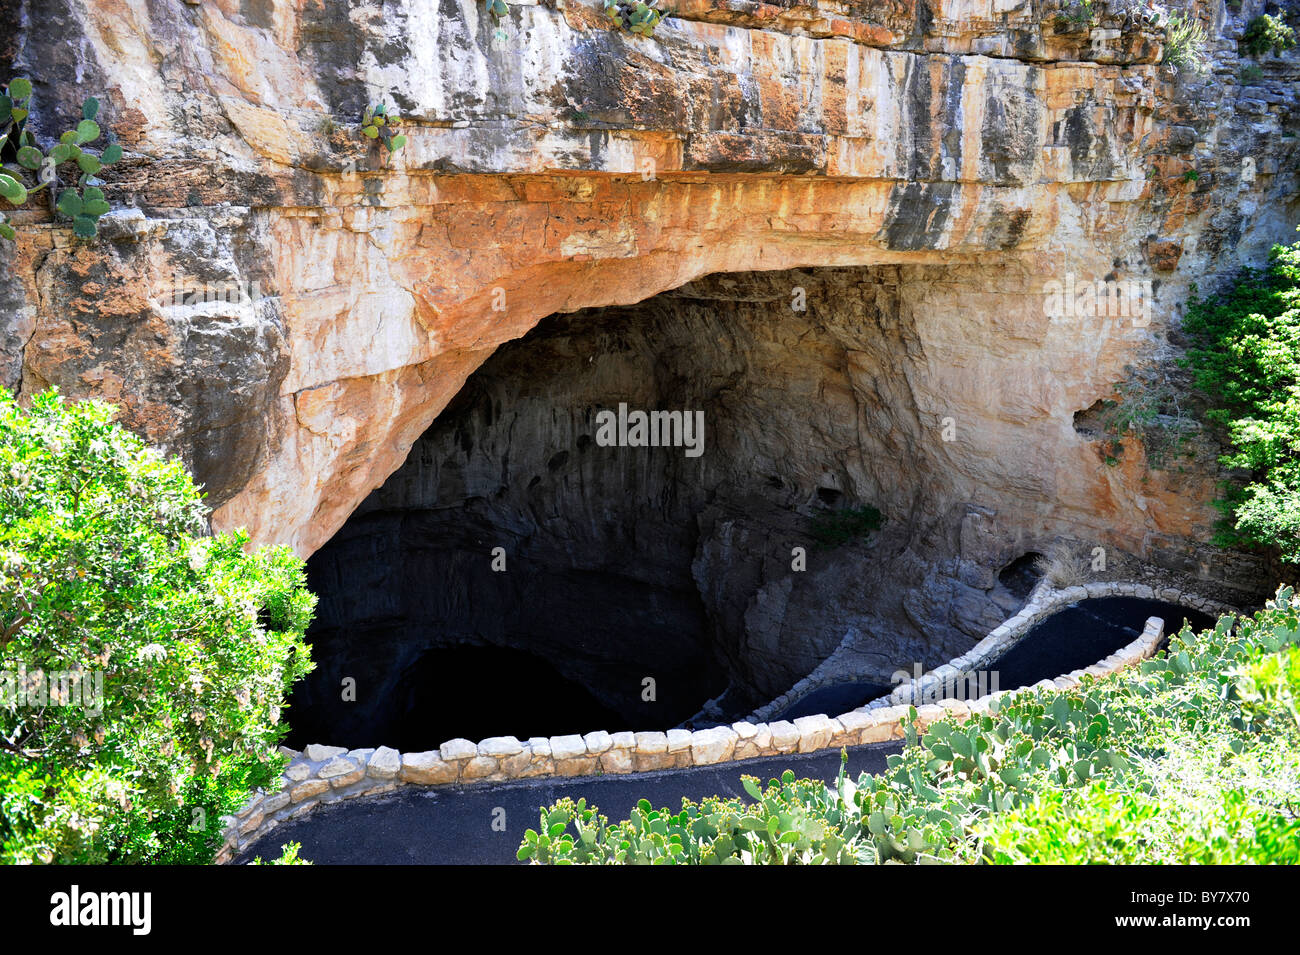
(792, 822)
(288, 856)
(833, 528)
(1099, 824)
(1269, 690)
(1265, 33)
(165, 654)
(1184, 43)
(1246, 356)
(1150, 407)
(1188, 758)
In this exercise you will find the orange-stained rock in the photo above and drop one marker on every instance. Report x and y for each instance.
(566, 166)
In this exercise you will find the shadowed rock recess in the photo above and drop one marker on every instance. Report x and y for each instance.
(821, 391)
(404, 357)
(669, 563)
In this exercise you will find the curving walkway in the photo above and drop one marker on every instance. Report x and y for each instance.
(454, 826)
(321, 777)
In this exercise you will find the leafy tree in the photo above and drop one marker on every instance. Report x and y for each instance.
(1246, 356)
(143, 663)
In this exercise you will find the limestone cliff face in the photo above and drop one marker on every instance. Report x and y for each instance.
(988, 146)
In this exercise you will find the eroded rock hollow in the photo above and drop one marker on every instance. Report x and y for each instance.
(704, 567)
(385, 386)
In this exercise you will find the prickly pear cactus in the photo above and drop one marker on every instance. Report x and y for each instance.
(22, 159)
(636, 16)
(378, 123)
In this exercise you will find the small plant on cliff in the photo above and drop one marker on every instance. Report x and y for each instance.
(638, 16)
(1073, 15)
(1246, 356)
(1266, 33)
(1147, 406)
(83, 203)
(379, 124)
(833, 528)
(143, 663)
(1184, 43)
(1063, 567)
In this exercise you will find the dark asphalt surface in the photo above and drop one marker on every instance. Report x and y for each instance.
(418, 825)
(1084, 633)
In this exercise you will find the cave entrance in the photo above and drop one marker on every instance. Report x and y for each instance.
(535, 567)
(469, 691)
(1021, 575)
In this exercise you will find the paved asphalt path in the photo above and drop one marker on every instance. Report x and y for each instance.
(424, 825)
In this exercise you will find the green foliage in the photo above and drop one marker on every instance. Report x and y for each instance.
(1191, 176)
(1185, 43)
(1252, 73)
(378, 123)
(1121, 827)
(178, 648)
(1246, 357)
(1188, 758)
(1269, 690)
(83, 203)
(1076, 13)
(1222, 790)
(1265, 33)
(637, 16)
(1150, 407)
(288, 856)
(792, 822)
(833, 528)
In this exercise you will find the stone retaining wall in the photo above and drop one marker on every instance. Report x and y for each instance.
(1043, 601)
(320, 775)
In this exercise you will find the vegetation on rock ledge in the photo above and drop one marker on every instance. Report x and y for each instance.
(1266, 34)
(1185, 43)
(378, 124)
(83, 203)
(833, 528)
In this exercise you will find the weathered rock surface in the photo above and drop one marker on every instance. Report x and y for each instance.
(291, 310)
(821, 389)
(567, 166)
